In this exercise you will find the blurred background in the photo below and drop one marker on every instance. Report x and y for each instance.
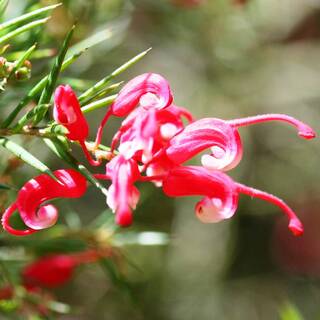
(226, 59)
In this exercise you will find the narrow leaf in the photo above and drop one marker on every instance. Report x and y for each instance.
(29, 116)
(92, 179)
(26, 17)
(25, 156)
(53, 76)
(86, 96)
(22, 29)
(105, 91)
(98, 104)
(61, 150)
(35, 90)
(3, 6)
(37, 54)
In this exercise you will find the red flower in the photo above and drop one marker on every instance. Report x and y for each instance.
(54, 270)
(122, 196)
(67, 111)
(221, 194)
(49, 271)
(38, 191)
(223, 139)
(150, 90)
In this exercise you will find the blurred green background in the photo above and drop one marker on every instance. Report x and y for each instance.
(223, 59)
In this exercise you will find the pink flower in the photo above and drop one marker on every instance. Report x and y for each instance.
(144, 132)
(223, 139)
(38, 191)
(123, 196)
(150, 90)
(220, 194)
(67, 111)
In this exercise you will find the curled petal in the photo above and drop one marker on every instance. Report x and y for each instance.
(150, 89)
(222, 138)
(33, 195)
(212, 210)
(221, 196)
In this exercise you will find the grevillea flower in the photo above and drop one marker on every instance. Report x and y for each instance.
(54, 270)
(223, 139)
(220, 194)
(122, 196)
(31, 198)
(150, 90)
(67, 111)
(145, 131)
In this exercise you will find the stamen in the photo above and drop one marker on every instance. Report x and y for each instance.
(295, 224)
(304, 131)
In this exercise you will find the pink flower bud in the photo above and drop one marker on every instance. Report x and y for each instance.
(67, 111)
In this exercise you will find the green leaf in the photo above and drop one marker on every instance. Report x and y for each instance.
(35, 90)
(105, 91)
(53, 76)
(61, 150)
(37, 54)
(3, 6)
(87, 95)
(25, 156)
(29, 116)
(98, 104)
(26, 17)
(81, 168)
(27, 27)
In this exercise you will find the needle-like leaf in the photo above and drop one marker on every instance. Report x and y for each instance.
(25, 156)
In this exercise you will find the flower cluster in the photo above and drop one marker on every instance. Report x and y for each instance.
(153, 143)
